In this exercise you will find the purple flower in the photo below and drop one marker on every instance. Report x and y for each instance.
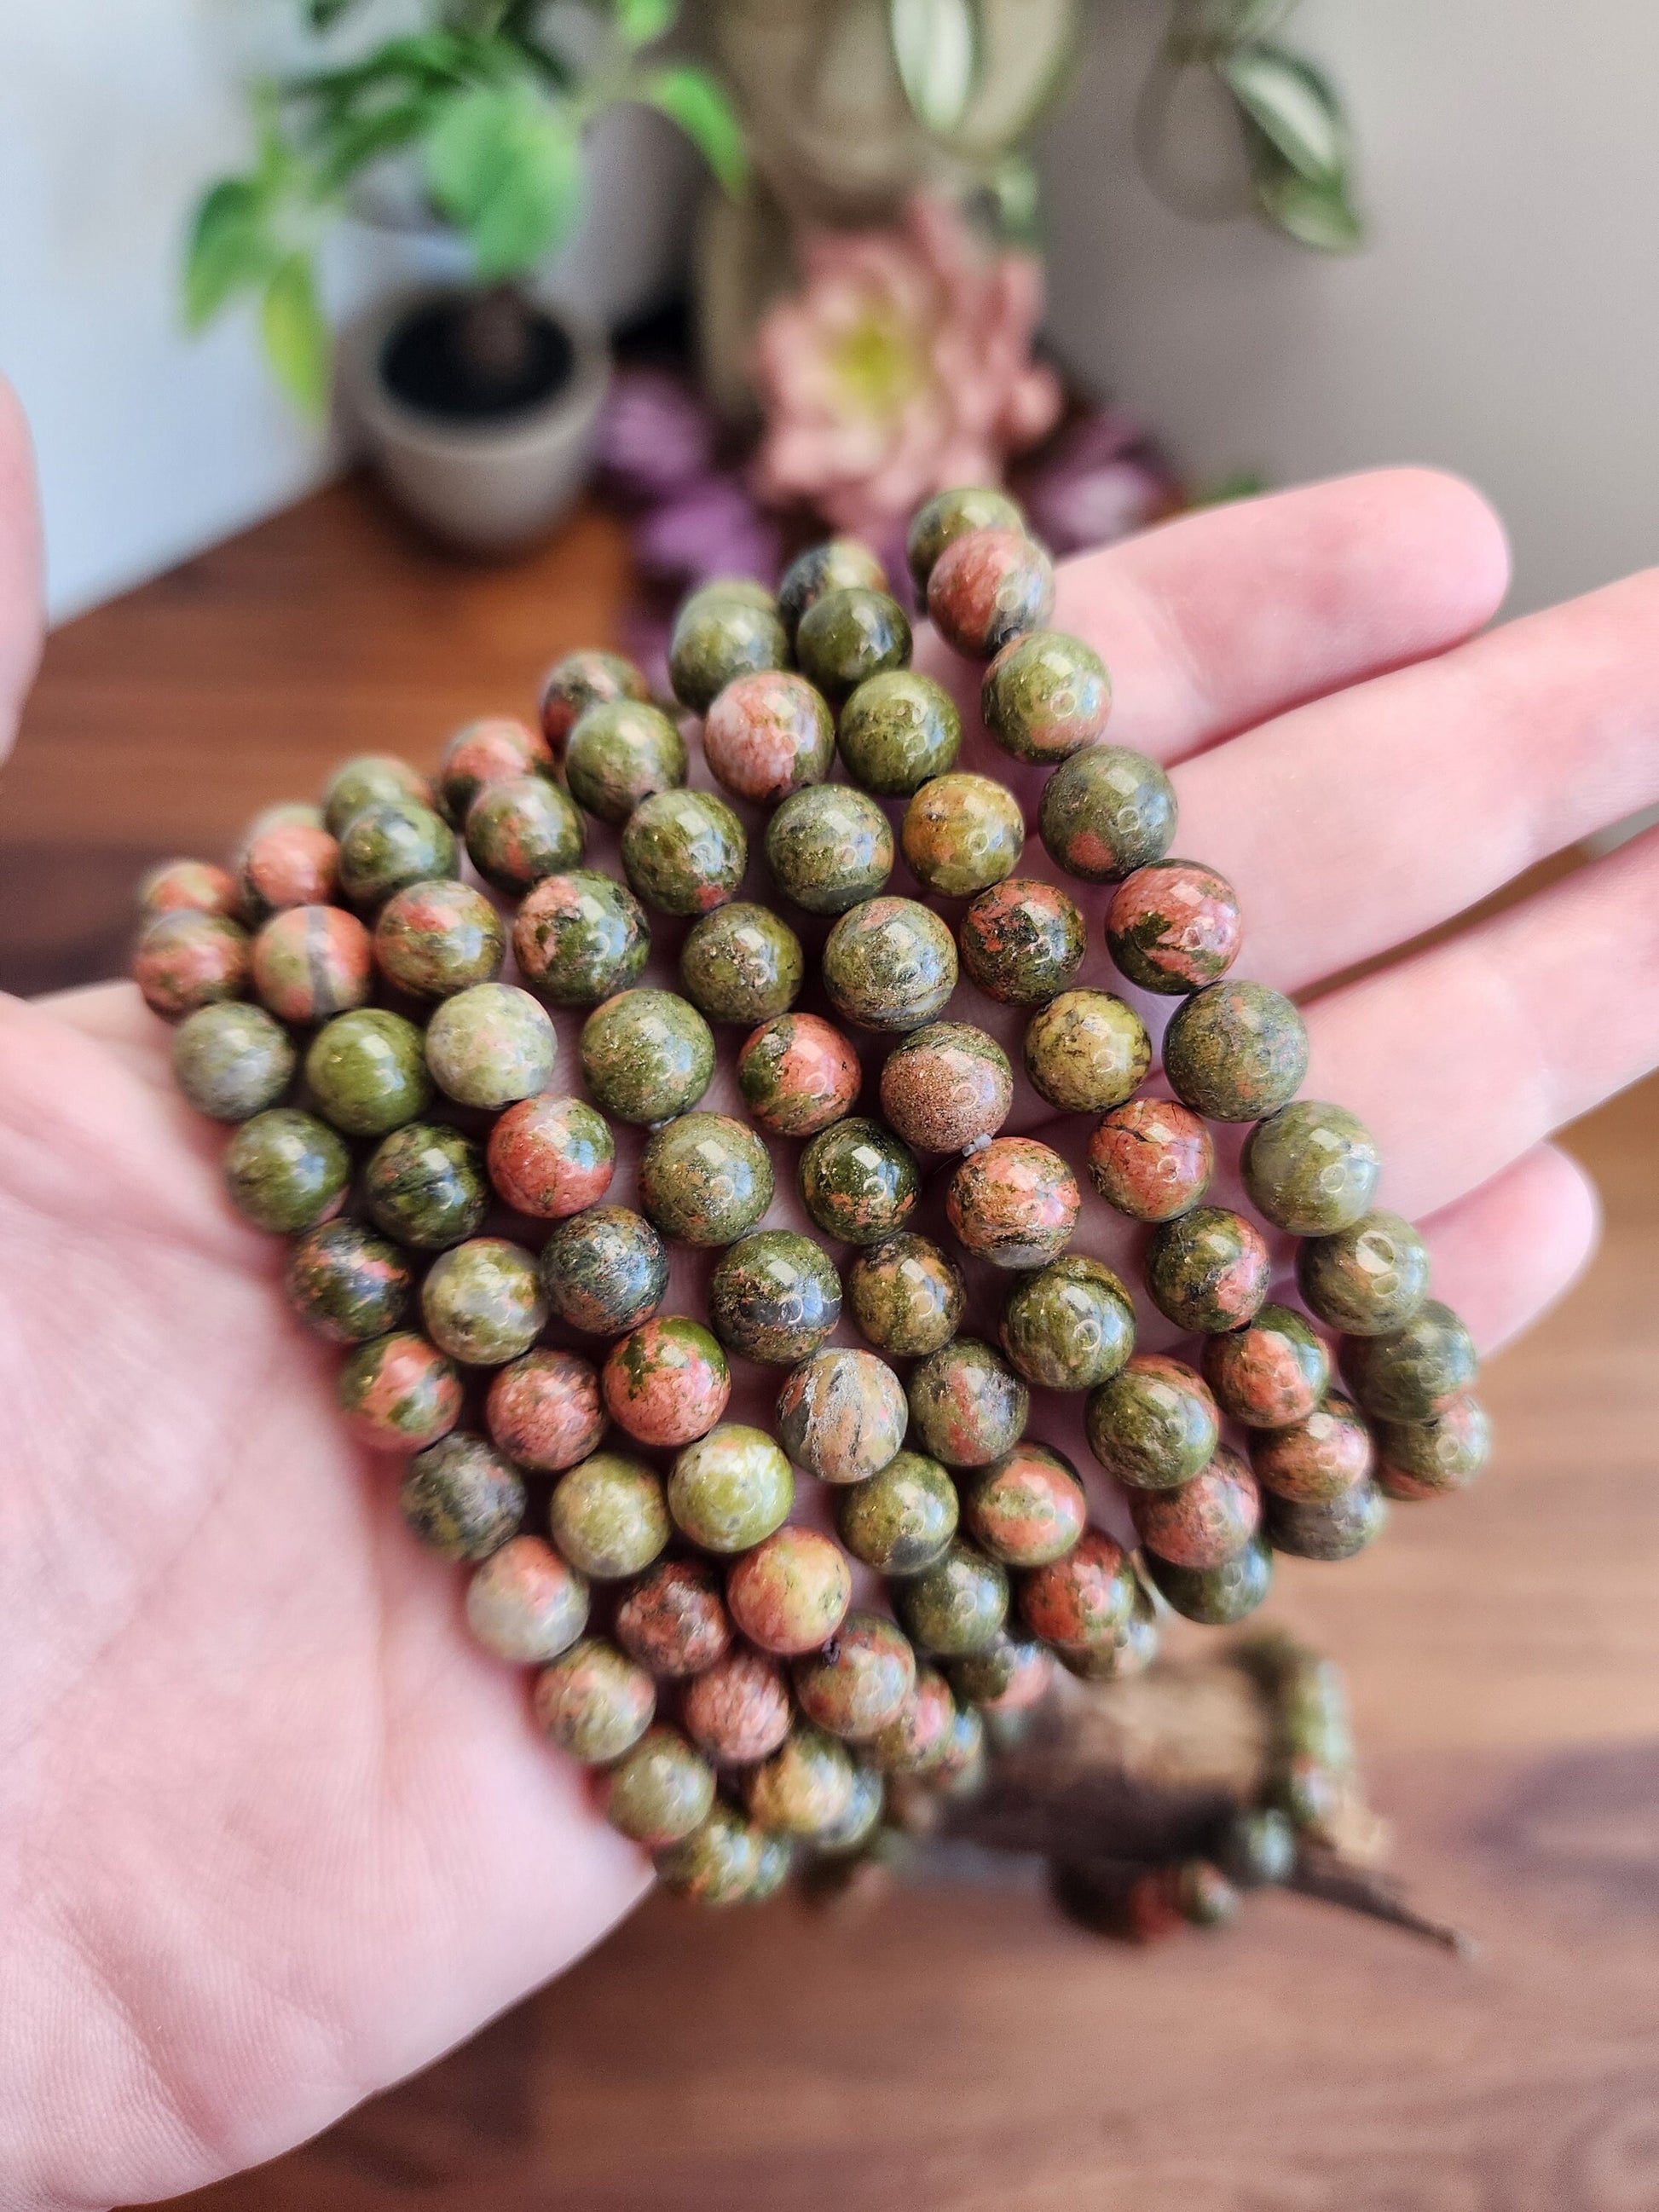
(1101, 480)
(656, 435)
(714, 528)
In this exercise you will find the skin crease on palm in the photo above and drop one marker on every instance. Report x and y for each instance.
(272, 1832)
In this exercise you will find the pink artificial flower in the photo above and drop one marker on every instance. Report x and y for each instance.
(902, 366)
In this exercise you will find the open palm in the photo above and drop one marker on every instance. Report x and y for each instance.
(272, 1832)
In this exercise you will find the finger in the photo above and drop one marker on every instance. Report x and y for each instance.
(20, 566)
(1508, 1251)
(1354, 825)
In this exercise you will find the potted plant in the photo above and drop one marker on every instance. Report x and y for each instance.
(478, 398)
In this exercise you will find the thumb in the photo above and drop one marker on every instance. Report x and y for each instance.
(20, 615)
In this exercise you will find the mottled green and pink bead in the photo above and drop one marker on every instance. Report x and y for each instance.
(187, 958)
(461, 1499)
(858, 1682)
(482, 1302)
(519, 832)
(232, 1060)
(1269, 1374)
(1208, 1269)
(968, 1406)
(392, 843)
(939, 521)
(286, 863)
(859, 1182)
(1203, 1522)
(666, 1382)
(1086, 1051)
(890, 963)
(684, 852)
(775, 1297)
(1174, 927)
(550, 1158)
(1045, 696)
(905, 1295)
(496, 748)
(1105, 812)
(587, 678)
(347, 1285)
(544, 1411)
(1151, 1159)
(435, 939)
(400, 1393)
(897, 732)
(798, 1073)
(1070, 1326)
(1316, 1459)
(790, 1593)
(490, 1046)
(371, 779)
(988, 587)
(311, 963)
(647, 1055)
(367, 1071)
(962, 833)
(426, 1186)
(1428, 1458)
(742, 963)
(592, 1702)
(902, 1518)
(841, 1415)
(524, 1603)
(720, 635)
(767, 735)
(1023, 941)
(604, 1270)
(580, 938)
(729, 1489)
(1154, 1424)
(1367, 1278)
(1015, 1203)
(1082, 1600)
(620, 754)
(1235, 1052)
(829, 847)
(285, 1169)
(673, 1620)
(737, 1709)
(1028, 1508)
(1311, 1169)
(608, 1517)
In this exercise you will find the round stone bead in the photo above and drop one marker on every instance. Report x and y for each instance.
(1413, 1372)
(1069, 1326)
(962, 833)
(1014, 1203)
(860, 1681)
(1334, 1528)
(1028, 1508)
(1258, 1848)
(959, 1771)
(666, 1382)
(490, 1046)
(829, 847)
(620, 753)
(1426, 1459)
(719, 1864)
(461, 1499)
(426, 1187)
(647, 1055)
(310, 962)
(1154, 1425)
(187, 958)
(1151, 1159)
(659, 1791)
(889, 964)
(742, 963)
(592, 1703)
(968, 1405)
(367, 1072)
(738, 1709)
(775, 1297)
(849, 636)
(187, 886)
(768, 735)
(684, 852)
(988, 587)
(604, 1270)
(1106, 812)
(1009, 1675)
(946, 1085)
(1270, 1374)
(582, 680)
(520, 832)
(840, 564)
(1311, 1169)
(1130, 1650)
(903, 1518)
(1316, 1458)
(347, 1285)
(898, 731)
(231, 1060)
(400, 1393)
(859, 1182)
(674, 1620)
(1083, 1600)
(1086, 1051)
(1216, 1597)
(524, 1604)
(1235, 1052)
(798, 1074)
(433, 939)
(1023, 941)
(719, 636)
(371, 779)
(482, 1302)
(731, 1489)
(551, 1156)
(1208, 1269)
(1367, 1278)
(791, 1593)
(1203, 1895)
(283, 865)
(1204, 1522)
(939, 521)
(705, 1179)
(1045, 696)
(544, 1411)
(841, 1415)
(805, 1787)
(391, 843)
(1175, 927)
(905, 1296)
(608, 1517)
(921, 1736)
(285, 1169)
(494, 750)
(580, 938)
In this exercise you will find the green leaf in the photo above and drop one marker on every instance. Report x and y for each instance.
(296, 336)
(351, 142)
(1294, 107)
(230, 251)
(639, 21)
(696, 101)
(506, 166)
(1320, 214)
(936, 45)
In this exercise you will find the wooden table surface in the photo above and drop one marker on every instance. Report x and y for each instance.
(958, 2047)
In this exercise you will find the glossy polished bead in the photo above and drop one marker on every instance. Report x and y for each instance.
(719, 1864)
(859, 1681)
(311, 961)
(1028, 1508)
(286, 863)
(1105, 812)
(197, 886)
(604, 1270)
(939, 521)
(1069, 1326)
(520, 832)
(957, 1605)
(849, 636)
(483, 1301)
(592, 1702)
(768, 735)
(1151, 1159)
(905, 1295)
(1426, 1459)
(433, 939)
(775, 1297)
(718, 636)
(490, 1046)
(1316, 1458)
(186, 959)
(1311, 1169)
(647, 1055)
(841, 1415)
(829, 847)
(1082, 1600)
(494, 750)
(1333, 1528)
(1367, 1278)
(1045, 696)
(389, 844)
(1009, 1675)
(946, 1085)
(285, 1169)
(790, 1594)
(897, 732)
(608, 1517)
(368, 1073)
(1269, 1374)
(1153, 1426)
(371, 779)
(919, 1737)
(684, 852)
(551, 1156)
(580, 938)
(1203, 1522)
(742, 963)
(1217, 1596)
(659, 1790)
(1174, 927)
(859, 1182)
(580, 680)
(889, 964)
(988, 587)
(1235, 1052)
(1208, 1269)
(620, 753)
(666, 1382)
(705, 1179)
(805, 1787)
(903, 1518)
(399, 1394)
(731, 1489)
(962, 833)
(798, 1074)
(347, 1285)
(967, 1404)
(1086, 1051)
(834, 566)
(231, 1060)
(544, 1411)
(524, 1604)
(1023, 941)
(738, 1709)
(426, 1186)
(673, 1620)
(461, 1499)
(1413, 1372)
(1014, 1203)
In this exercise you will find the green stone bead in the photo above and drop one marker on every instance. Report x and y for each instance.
(841, 1415)
(920, 1739)
(902, 1520)
(829, 847)
(858, 1824)
(1208, 1269)
(988, 588)
(956, 1605)
(806, 1787)
(622, 752)
(496, 748)
(1217, 1596)
(604, 1271)
(897, 732)
(1046, 695)
(839, 565)
(731, 1489)
(520, 831)
(1082, 1601)
(1154, 1425)
(392, 843)
(962, 833)
(367, 1072)
(1424, 1459)
(491, 1046)
(400, 1393)
(582, 680)
(580, 938)
(285, 1169)
(705, 1179)
(1174, 927)
(462, 1498)
(684, 852)
(482, 1302)
(434, 939)
(797, 1075)
(1235, 1052)
(946, 1086)
(1023, 941)
(426, 1186)
(1087, 1052)
(231, 1060)
(1366, 1279)
(185, 959)
(939, 521)
(1257, 1849)
(984, 1675)
(347, 1285)
(742, 963)
(1316, 1458)
(1414, 1372)
(717, 1863)
(889, 964)
(848, 636)
(593, 1702)
(1270, 1375)
(1311, 1169)
(659, 1792)
(720, 635)
(768, 736)
(371, 779)
(859, 1182)
(967, 1404)
(1204, 1896)
(1330, 1528)
(905, 1296)
(719, 591)
(608, 1517)
(1070, 1326)
(647, 1055)
(775, 1297)
(1105, 812)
